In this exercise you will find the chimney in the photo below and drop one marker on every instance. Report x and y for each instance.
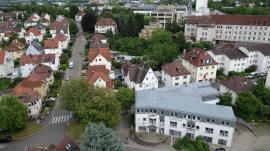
(184, 52)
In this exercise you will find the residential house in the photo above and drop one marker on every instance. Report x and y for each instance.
(45, 19)
(184, 110)
(6, 64)
(200, 64)
(60, 18)
(33, 34)
(52, 47)
(16, 49)
(63, 29)
(146, 32)
(28, 62)
(230, 59)
(56, 24)
(242, 28)
(62, 41)
(31, 98)
(105, 24)
(66, 144)
(175, 73)
(32, 20)
(40, 28)
(235, 85)
(45, 72)
(100, 56)
(139, 77)
(98, 76)
(98, 41)
(35, 49)
(79, 15)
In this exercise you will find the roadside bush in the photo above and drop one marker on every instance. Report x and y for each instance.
(251, 68)
(188, 144)
(63, 66)
(117, 84)
(116, 65)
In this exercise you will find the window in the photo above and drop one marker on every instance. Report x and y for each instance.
(223, 133)
(176, 78)
(172, 123)
(189, 117)
(176, 83)
(184, 125)
(207, 68)
(222, 142)
(138, 111)
(161, 112)
(171, 114)
(208, 120)
(194, 117)
(201, 68)
(150, 110)
(185, 116)
(144, 119)
(185, 77)
(228, 123)
(184, 82)
(197, 127)
(198, 118)
(209, 130)
(213, 121)
(154, 111)
(213, 67)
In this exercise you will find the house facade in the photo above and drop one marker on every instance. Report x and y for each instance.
(79, 15)
(98, 76)
(33, 34)
(62, 41)
(180, 111)
(16, 49)
(200, 64)
(105, 24)
(100, 56)
(139, 77)
(34, 49)
(175, 73)
(52, 47)
(6, 64)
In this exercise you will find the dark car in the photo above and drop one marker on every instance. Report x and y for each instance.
(220, 149)
(5, 139)
(80, 53)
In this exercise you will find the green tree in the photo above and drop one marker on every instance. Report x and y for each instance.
(201, 145)
(182, 43)
(226, 99)
(73, 27)
(126, 97)
(248, 107)
(73, 10)
(251, 68)
(88, 22)
(99, 138)
(172, 26)
(204, 45)
(13, 114)
(261, 92)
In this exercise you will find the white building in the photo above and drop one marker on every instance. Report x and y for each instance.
(28, 62)
(201, 65)
(79, 16)
(267, 82)
(100, 56)
(34, 49)
(235, 85)
(105, 24)
(230, 59)
(6, 64)
(175, 73)
(52, 47)
(242, 28)
(62, 41)
(201, 4)
(183, 110)
(33, 34)
(98, 76)
(139, 77)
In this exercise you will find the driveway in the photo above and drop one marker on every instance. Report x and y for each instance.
(55, 125)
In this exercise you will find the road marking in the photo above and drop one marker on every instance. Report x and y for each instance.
(2, 146)
(60, 119)
(53, 120)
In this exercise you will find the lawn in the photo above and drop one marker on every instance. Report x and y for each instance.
(75, 129)
(6, 83)
(28, 131)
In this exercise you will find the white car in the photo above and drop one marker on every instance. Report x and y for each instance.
(71, 64)
(51, 99)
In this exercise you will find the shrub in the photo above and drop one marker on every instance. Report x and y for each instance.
(63, 66)
(116, 65)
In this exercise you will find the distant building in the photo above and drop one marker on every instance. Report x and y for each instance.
(201, 4)
(6, 64)
(35, 49)
(16, 49)
(186, 110)
(147, 31)
(98, 76)
(100, 56)
(105, 24)
(33, 34)
(98, 41)
(79, 15)
(235, 85)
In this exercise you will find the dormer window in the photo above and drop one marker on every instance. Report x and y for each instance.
(179, 69)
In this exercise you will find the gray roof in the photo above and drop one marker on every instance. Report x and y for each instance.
(232, 53)
(184, 98)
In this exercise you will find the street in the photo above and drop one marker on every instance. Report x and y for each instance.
(55, 125)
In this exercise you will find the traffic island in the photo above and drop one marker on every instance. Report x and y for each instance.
(75, 129)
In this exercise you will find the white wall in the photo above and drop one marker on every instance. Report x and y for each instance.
(177, 80)
(201, 4)
(100, 83)
(100, 60)
(8, 66)
(224, 89)
(104, 29)
(35, 109)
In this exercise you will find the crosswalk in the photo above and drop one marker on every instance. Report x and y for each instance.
(60, 119)
(2, 147)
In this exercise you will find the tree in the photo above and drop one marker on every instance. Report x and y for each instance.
(226, 99)
(248, 107)
(204, 45)
(13, 114)
(73, 10)
(126, 97)
(261, 92)
(201, 145)
(99, 138)
(181, 142)
(251, 68)
(182, 43)
(73, 27)
(88, 22)
(172, 26)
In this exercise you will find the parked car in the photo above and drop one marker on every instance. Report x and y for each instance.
(263, 74)
(51, 99)
(67, 78)
(71, 65)
(253, 75)
(220, 149)
(80, 53)
(5, 139)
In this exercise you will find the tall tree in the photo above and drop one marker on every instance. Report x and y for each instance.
(73, 27)
(99, 138)
(73, 10)
(226, 99)
(172, 26)
(126, 97)
(88, 22)
(261, 92)
(182, 43)
(13, 114)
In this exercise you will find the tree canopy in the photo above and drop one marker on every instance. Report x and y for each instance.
(99, 138)
(261, 92)
(95, 105)
(226, 99)
(187, 144)
(13, 114)
(172, 26)
(88, 22)
(73, 27)
(73, 10)
(126, 97)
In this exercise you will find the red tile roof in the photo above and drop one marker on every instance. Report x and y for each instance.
(238, 84)
(33, 80)
(43, 71)
(60, 37)
(253, 20)
(20, 91)
(15, 45)
(175, 68)
(197, 57)
(34, 31)
(96, 72)
(106, 22)
(2, 56)
(50, 44)
(57, 23)
(94, 52)
(37, 59)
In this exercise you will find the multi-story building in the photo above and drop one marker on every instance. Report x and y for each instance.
(175, 73)
(200, 64)
(185, 110)
(230, 59)
(165, 13)
(201, 4)
(147, 31)
(105, 24)
(242, 28)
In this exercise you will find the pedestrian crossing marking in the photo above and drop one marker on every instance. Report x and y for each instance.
(2, 146)
(60, 119)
